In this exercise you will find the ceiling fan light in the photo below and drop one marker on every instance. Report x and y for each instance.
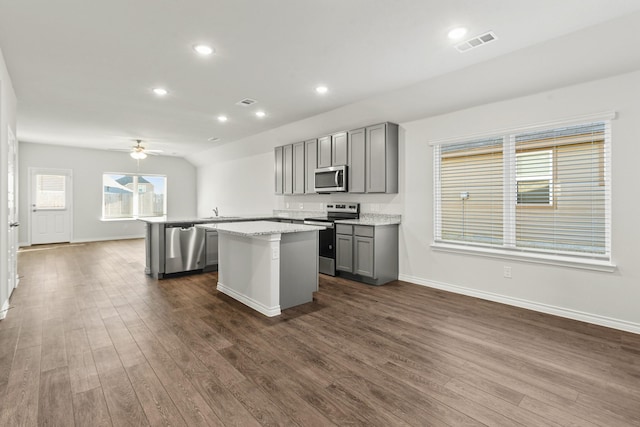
(138, 155)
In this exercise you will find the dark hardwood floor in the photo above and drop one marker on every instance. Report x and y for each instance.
(92, 341)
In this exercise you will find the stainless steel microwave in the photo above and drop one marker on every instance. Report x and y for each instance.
(331, 179)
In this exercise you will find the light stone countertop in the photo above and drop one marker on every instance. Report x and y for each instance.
(372, 220)
(259, 228)
(213, 219)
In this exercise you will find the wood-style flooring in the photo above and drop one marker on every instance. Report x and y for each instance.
(92, 341)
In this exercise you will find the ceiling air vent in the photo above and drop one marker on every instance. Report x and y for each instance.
(246, 102)
(476, 41)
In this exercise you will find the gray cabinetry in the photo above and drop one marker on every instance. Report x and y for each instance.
(310, 165)
(356, 172)
(381, 158)
(298, 161)
(344, 252)
(333, 150)
(287, 176)
(366, 253)
(339, 151)
(324, 151)
(371, 154)
(278, 170)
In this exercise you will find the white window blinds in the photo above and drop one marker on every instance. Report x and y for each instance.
(546, 191)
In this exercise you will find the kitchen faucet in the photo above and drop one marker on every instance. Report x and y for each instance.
(215, 210)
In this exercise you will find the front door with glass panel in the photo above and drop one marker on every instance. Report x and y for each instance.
(50, 206)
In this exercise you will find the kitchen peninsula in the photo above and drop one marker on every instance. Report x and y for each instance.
(267, 265)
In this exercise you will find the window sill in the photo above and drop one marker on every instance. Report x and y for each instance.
(558, 260)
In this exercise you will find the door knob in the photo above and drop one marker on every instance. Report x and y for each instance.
(14, 224)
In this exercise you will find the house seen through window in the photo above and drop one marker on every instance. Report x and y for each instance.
(546, 191)
(133, 196)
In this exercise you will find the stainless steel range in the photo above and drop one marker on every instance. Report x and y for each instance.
(335, 211)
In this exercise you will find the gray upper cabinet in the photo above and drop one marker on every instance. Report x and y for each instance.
(333, 150)
(324, 152)
(339, 151)
(287, 176)
(298, 168)
(381, 158)
(371, 154)
(356, 172)
(310, 164)
(278, 170)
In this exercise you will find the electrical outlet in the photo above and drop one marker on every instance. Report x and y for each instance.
(375, 207)
(275, 253)
(507, 272)
(287, 205)
(300, 205)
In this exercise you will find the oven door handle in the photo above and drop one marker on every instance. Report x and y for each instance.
(321, 224)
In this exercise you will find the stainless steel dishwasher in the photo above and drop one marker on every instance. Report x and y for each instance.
(184, 248)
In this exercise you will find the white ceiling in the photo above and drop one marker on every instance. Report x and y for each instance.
(83, 70)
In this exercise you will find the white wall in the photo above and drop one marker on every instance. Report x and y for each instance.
(7, 120)
(238, 177)
(606, 298)
(88, 166)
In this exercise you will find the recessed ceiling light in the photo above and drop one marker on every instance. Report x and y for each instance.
(322, 89)
(457, 33)
(160, 91)
(222, 119)
(213, 139)
(203, 49)
(260, 114)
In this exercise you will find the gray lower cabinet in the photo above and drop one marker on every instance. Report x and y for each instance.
(366, 253)
(211, 251)
(344, 252)
(310, 165)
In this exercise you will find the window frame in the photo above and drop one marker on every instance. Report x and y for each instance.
(509, 250)
(135, 197)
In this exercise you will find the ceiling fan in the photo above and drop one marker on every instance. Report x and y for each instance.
(139, 152)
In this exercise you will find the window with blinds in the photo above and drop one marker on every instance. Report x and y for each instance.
(50, 192)
(546, 191)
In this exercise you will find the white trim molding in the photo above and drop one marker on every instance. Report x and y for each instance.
(256, 305)
(4, 309)
(595, 319)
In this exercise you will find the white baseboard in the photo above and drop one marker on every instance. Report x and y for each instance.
(4, 309)
(595, 319)
(258, 306)
(92, 239)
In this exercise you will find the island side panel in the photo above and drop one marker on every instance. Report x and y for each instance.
(298, 268)
(249, 270)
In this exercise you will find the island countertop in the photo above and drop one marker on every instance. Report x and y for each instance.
(259, 228)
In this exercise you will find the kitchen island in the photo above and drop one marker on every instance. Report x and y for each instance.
(268, 266)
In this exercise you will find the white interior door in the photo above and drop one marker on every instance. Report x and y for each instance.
(12, 213)
(50, 206)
